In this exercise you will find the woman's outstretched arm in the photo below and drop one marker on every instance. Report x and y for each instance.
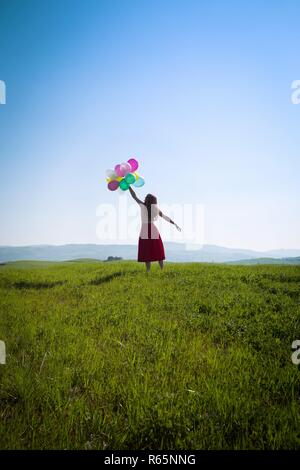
(134, 196)
(165, 217)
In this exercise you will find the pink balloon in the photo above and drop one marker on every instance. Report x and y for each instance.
(134, 164)
(118, 170)
(125, 168)
(113, 185)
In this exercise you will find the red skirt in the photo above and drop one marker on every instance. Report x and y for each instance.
(151, 247)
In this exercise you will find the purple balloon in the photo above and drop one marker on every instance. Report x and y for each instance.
(113, 185)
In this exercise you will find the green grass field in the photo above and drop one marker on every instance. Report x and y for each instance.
(100, 356)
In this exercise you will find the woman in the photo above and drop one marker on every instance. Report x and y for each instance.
(151, 247)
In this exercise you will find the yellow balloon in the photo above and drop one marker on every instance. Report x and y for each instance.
(108, 180)
(119, 178)
(136, 176)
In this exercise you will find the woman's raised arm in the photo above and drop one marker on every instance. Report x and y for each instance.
(134, 196)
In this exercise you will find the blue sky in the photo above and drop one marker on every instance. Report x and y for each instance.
(199, 91)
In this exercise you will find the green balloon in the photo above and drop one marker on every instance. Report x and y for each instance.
(123, 184)
(130, 178)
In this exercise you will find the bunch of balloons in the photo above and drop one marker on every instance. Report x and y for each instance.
(124, 175)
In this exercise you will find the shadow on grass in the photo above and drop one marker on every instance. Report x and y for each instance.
(102, 280)
(36, 285)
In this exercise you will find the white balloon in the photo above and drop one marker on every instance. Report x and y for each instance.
(111, 174)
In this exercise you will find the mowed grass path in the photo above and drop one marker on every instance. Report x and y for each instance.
(100, 356)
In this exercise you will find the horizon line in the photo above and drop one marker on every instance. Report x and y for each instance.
(134, 244)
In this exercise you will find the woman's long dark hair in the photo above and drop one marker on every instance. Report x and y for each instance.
(149, 201)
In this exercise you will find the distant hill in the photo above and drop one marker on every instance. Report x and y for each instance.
(174, 251)
(295, 260)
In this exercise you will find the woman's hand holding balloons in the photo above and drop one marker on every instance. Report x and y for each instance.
(124, 175)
